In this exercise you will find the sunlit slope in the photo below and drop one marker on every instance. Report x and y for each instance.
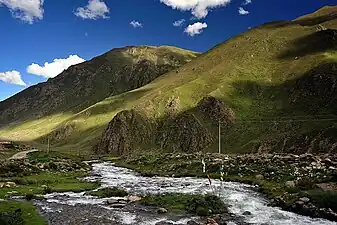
(82, 85)
(279, 80)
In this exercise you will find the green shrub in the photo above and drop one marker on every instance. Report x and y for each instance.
(201, 205)
(11, 218)
(322, 199)
(29, 196)
(209, 204)
(109, 192)
(47, 190)
(293, 190)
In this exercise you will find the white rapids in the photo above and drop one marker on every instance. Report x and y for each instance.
(239, 197)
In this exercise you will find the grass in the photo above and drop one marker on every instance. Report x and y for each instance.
(108, 192)
(321, 198)
(201, 205)
(249, 72)
(48, 182)
(27, 216)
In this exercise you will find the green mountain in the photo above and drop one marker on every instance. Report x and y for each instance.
(271, 88)
(80, 86)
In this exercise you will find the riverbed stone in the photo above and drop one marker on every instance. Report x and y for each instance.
(290, 184)
(259, 177)
(134, 198)
(304, 199)
(112, 201)
(246, 213)
(162, 211)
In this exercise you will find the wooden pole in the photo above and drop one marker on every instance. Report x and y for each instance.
(219, 138)
(48, 149)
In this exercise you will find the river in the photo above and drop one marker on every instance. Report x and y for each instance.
(77, 208)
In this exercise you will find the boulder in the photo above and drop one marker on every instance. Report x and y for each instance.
(247, 213)
(134, 198)
(259, 177)
(290, 184)
(210, 221)
(112, 201)
(162, 211)
(304, 199)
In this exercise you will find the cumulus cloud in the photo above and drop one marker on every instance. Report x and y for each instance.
(196, 28)
(247, 2)
(50, 70)
(243, 12)
(136, 24)
(95, 9)
(12, 77)
(179, 23)
(199, 8)
(25, 10)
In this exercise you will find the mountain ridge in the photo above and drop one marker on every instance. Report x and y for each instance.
(110, 68)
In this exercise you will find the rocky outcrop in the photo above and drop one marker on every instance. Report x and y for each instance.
(215, 110)
(316, 90)
(184, 133)
(176, 132)
(126, 132)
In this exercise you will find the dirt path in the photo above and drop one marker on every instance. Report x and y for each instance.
(22, 155)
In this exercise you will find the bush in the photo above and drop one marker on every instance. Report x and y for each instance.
(322, 199)
(109, 192)
(11, 218)
(29, 196)
(47, 190)
(206, 205)
(201, 205)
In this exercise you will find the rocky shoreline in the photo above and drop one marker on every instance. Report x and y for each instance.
(304, 184)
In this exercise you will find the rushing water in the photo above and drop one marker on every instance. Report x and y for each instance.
(239, 197)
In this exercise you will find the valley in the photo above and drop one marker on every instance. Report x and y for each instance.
(245, 133)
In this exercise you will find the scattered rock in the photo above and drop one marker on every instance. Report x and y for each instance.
(259, 177)
(210, 221)
(118, 206)
(164, 223)
(162, 211)
(304, 199)
(247, 213)
(192, 222)
(112, 201)
(290, 184)
(134, 198)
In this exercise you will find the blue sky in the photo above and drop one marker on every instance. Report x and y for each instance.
(56, 29)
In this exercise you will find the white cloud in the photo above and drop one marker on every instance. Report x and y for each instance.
(12, 77)
(247, 2)
(196, 28)
(94, 10)
(26, 10)
(199, 8)
(136, 24)
(243, 12)
(179, 23)
(50, 70)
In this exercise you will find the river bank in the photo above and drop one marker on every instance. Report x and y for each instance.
(304, 184)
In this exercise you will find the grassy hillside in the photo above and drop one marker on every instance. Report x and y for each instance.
(80, 86)
(274, 88)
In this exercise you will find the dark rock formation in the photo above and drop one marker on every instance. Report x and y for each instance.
(217, 111)
(125, 133)
(184, 133)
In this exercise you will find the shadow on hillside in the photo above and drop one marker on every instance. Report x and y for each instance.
(317, 42)
(296, 107)
(114, 103)
(312, 93)
(307, 21)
